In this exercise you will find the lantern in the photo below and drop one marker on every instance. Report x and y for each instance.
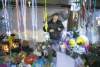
(22, 55)
(14, 45)
(5, 48)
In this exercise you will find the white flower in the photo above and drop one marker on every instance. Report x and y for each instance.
(78, 49)
(43, 47)
(37, 53)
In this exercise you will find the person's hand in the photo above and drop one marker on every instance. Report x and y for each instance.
(59, 29)
(51, 30)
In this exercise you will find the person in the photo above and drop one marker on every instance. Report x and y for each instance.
(55, 28)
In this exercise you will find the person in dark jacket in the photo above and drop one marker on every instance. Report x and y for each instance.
(55, 27)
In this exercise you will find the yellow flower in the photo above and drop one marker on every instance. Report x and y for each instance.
(81, 40)
(72, 42)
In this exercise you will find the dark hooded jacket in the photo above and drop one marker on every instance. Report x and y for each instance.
(51, 25)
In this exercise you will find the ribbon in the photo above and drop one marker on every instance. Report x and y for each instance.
(84, 9)
(18, 17)
(6, 16)
(23, 16)
(45, 16)
(34, 19)
(94, 5)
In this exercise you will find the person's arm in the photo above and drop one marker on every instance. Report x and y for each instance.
(61, 27)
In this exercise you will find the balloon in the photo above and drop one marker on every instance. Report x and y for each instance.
(30, 59)
(72, 42)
